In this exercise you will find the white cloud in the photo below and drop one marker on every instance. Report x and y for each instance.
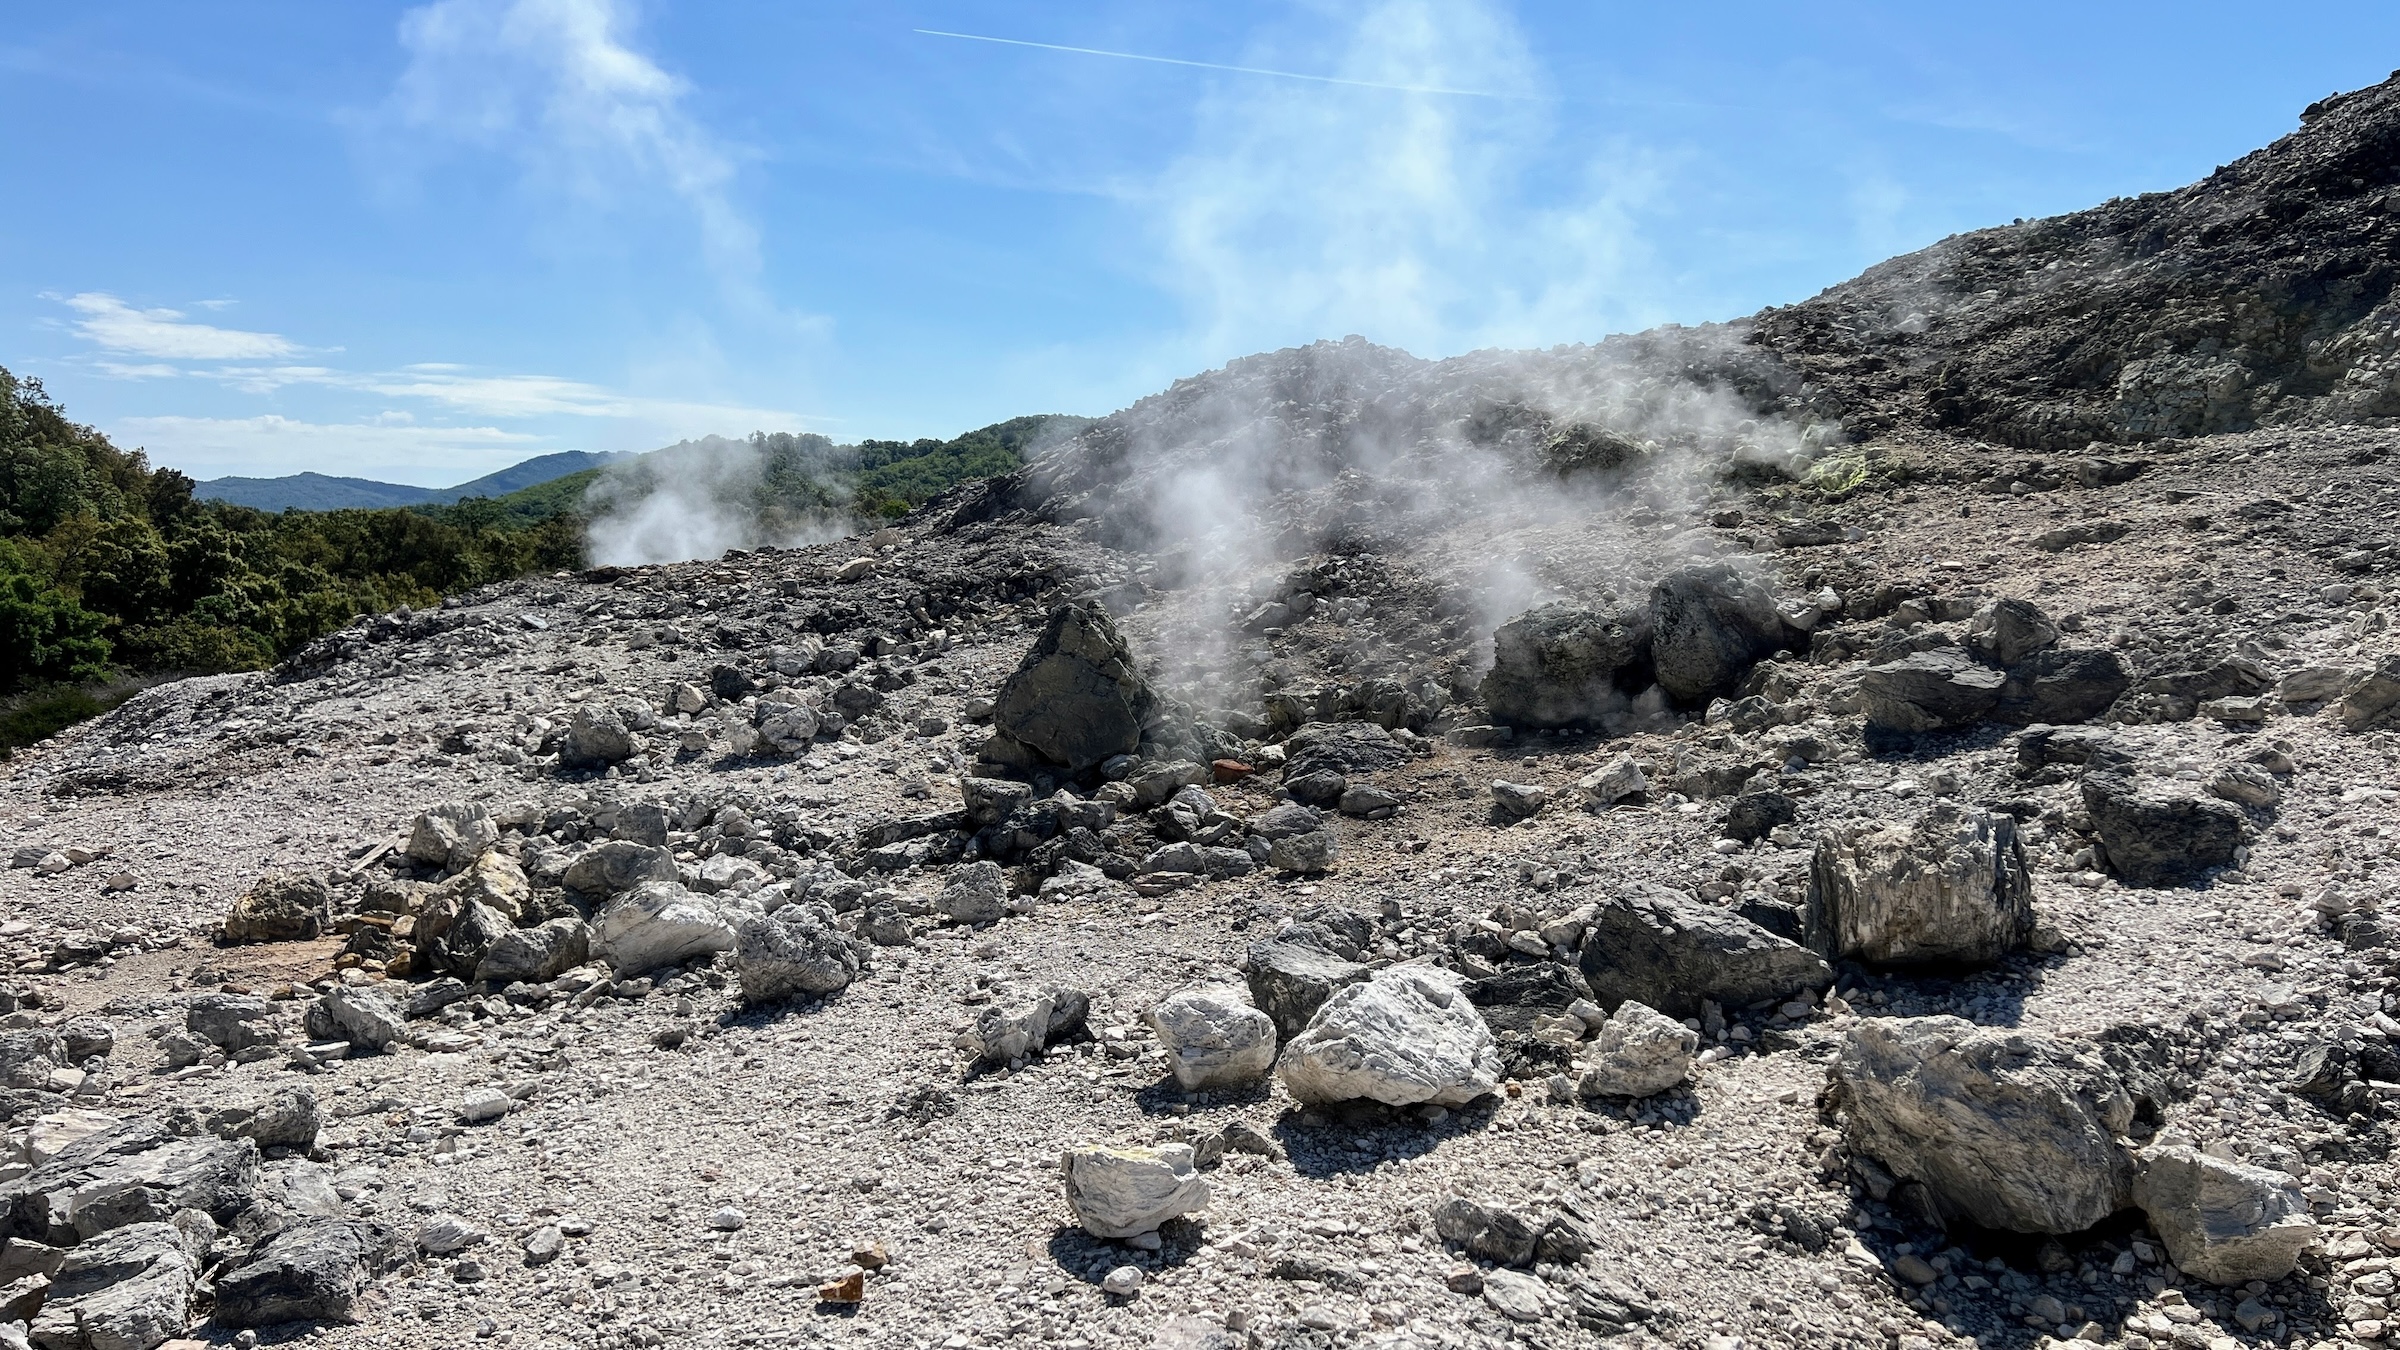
(558, 85)
(115, 326)
(1426, 221)
(269, 445)
(518, 396)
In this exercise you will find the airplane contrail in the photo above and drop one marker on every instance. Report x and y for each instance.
(1238, 70)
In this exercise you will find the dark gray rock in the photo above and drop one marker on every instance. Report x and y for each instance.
(1345, 748)
(1289, 980)
(288, 1118)
(795, 951)
(1708, 625)
(29, 1056)
(135, 1172)
(1078, 697)
(1490, 1232)
(535, 955)
(1282, 822)
(2154, 831)
(230, 1021)
(1318, 787)
(2007, 631)
(1663, 948)
(1937, 690)
(1753, 814)
(1559, 664)
(617, 866)
(87, 1038)
(2062, 686)
(127, 1289)
(596, 737)
(316, 1270)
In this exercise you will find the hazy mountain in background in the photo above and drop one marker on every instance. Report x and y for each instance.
(322, 492)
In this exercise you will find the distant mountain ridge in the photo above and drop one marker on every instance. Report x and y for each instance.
(323, 492)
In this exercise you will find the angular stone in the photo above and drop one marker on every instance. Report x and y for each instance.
(452, 835)
(1640, 1052)
(1290, 980)
(1213, 1037)
(1126, 1192)
(279, 907)
(2012, 1129)
(796, 950)
(2155, 831)
(1708, 625)
(1406, 1035)
(1557, 665)
(1613, 782)
(365, 1016)
(1662, 948)
(2222, 1221)
(535, 955)
(618, 866)
(137, 1172)
(1018, 1022)
(2007, 631)
(596, 737)
(2375, 699)
(1492, 1232)
(127, 1289)
(658, 924)
(1936, 690)
(230, 1021)
(974, 894)
(2062, 686)
(1953, 887)
(1308, 853)
(288, 1118)
(315, 1270)
(1077, 698)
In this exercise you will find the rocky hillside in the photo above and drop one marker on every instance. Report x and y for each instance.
(1641, 845)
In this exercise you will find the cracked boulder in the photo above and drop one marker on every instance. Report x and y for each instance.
(1661, 948)
(136, 1172)
(1077, 698)
(314, 1270)
(279, 907)
(1938, 690)
(796, 951)
(1406, 1035)
(1558, 664)
(2157, 831)
(658, 924)
(128, 1289)
(2223, 1221)
(1952, 887)
(1708, 625)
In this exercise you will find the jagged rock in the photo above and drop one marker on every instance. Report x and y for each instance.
(230, 1021)
(87, 1038)
(1077, 698)
(1951, 887)
(1126, 1192)
(1929, 691)
(1619, 779)
(127, 1289)
(2155, 831)
(279, 907)
(452, 835)
(1345, 748)
(1319, 787)
(2375, 699)
(1754, 815)
(1213, 1037)
(494, 880)
(1661, 948)
(137, 1172)
(1493, 1232)
(2007, 631)
(1406, 1035)
(974, 894)
(1518, 801)
(365, 1016)
(315, 1270)
(2062, 686)
(1557, 665)
(535, 955)
(288, 1118)
(1309, 853)
(1640, 1052)
(2012, 1129)
(795, 950)
(596, 736)
(992, 800)
(2222, 1221)
(454, 934)
(618, 866)
(1708, 625)
(1289, 980)
(658, 924)
(1016, 1023)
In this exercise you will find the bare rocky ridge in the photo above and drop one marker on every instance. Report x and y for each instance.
(1896, 888)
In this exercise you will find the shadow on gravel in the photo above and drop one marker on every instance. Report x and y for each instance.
(1329, 1141)
(1089, 1259)
(1992, 996)
(1164, 1096)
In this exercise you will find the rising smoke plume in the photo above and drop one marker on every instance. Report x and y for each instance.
(699, 498)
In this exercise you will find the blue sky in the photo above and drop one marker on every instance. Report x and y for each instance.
(420, 242)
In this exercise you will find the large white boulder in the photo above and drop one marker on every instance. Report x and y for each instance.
(1125, 1192)
(1406, 1035)
(1640, 1052)
(658, 924)
(1213, 1037)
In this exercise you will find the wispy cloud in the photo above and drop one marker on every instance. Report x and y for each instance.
(392, 449)
(115, 326)
(1303, 211)
(559, 86)
(1237, 70)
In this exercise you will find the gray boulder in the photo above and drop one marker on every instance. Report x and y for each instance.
(128, 1289)
(315, 1270)
(1126, 1192)
(2374, 700)
(536, 955)
(1557, 665)
(452, 835)
(2007, 631)
(1662, 948)
(1406, 1035)
(230, 1021)
(288, 1118)
(2062, 686)
(795, 951)
(1018, 1022)
(2011, 1129)
(1639, 1052)
(1077, 698)
(1936, 690)
(135, 1172)
(974, 894)
(1213, 1037)
(1708, 625)
(29, 1056)
(279, 907)
(596, 736)
(365, 1016)
(618, 866)
(658, 924)
(2157, 831)
(2222, 1221)
(1312, 852)
(1953, 887)
(1289, 980)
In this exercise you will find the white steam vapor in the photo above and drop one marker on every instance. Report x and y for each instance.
(696, 500)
